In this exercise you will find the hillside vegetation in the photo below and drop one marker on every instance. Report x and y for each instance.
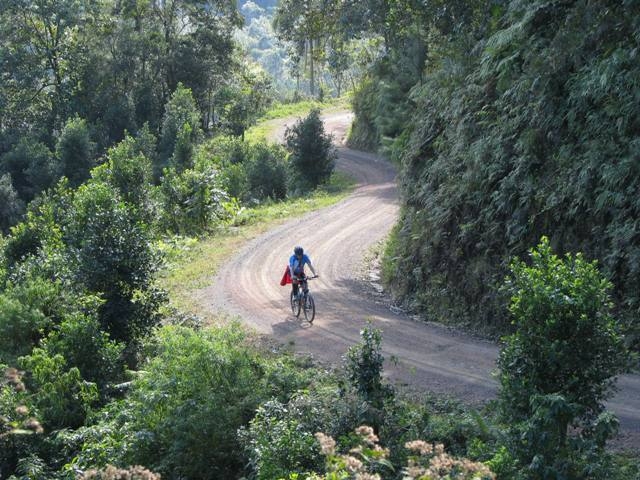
(522, 122)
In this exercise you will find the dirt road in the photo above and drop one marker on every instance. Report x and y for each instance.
(426, 356)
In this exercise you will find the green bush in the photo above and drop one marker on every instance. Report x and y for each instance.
(60, 394)
(79, 339)
(525, 124)
(250, 171)
(280, 440)
(18, 422)
(32, 166)
(567, 341)
(109, 249)
(560, 365)
(312, 154)
(129, 171)
(198, 388)
(75, 151)
(364, 365)
(180, 130)
(191, 200)
(266, 173)
(25, 317)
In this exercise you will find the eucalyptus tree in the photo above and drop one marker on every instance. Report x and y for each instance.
(307, 25)
(40, 39)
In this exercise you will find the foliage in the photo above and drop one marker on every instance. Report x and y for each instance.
(82, 343)
(80, 74)
(129, 171)
(250, 171)
(526, 131)
(75, 151)
(180, 130)
(364, 364)
(280, 441)
(559, 366)
(191, 201)
(32, 167)
(60, 394)
(312, 154)
(27, 311)
(12, 207)
(566, 342)
(111, 255)
(113, 473)
(266, 173)
(245, 100)
(18, 420)
(197, 389)
(368, 459)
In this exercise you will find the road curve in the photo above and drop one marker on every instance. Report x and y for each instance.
(425, 356)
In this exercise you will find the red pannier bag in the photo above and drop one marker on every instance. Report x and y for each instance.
(286, 277)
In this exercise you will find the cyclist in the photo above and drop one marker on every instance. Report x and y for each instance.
(296, 267)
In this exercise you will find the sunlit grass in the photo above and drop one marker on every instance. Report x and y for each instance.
(283, 110)
(265, 128)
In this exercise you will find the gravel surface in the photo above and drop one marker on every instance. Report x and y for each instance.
(420, 355)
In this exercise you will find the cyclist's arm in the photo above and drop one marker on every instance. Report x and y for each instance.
(313, 270)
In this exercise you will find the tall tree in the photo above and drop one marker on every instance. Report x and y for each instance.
(307, 24)
(37, 51)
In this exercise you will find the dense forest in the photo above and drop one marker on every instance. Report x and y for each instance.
(122, 130)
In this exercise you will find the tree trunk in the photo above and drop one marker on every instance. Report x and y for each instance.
(311, 65)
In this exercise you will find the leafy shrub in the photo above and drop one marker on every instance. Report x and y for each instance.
(266, 173)
(250, 171)
(364, 364)
(368, 460)
(129, 171)
(566, 341)
(530, 130)
(39, 234)
(180, 128)
(280, 440)
(198, 389)
(25, 317)
(32, 167)
(75, 150)
(559, 366)
(110, 252)
(60, 394)
(79, 339)
(18, 421)
(312, 154)
(191, 201)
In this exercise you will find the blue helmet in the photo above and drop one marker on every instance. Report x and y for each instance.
(298, 250)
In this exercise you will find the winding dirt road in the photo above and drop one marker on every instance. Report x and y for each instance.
(424, 356)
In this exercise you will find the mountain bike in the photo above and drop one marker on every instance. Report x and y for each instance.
(304, 300)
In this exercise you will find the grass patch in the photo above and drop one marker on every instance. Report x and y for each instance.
(193, 263)
(283, 110)
(266, 127)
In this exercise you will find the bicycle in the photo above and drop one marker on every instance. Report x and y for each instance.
(304, 300)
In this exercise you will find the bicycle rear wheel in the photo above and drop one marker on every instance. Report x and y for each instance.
(295, 305)
(309, 308)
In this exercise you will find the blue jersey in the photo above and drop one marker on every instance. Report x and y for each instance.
(297, 266)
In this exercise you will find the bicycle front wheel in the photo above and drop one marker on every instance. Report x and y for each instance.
(309, 308)
(295, 305)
